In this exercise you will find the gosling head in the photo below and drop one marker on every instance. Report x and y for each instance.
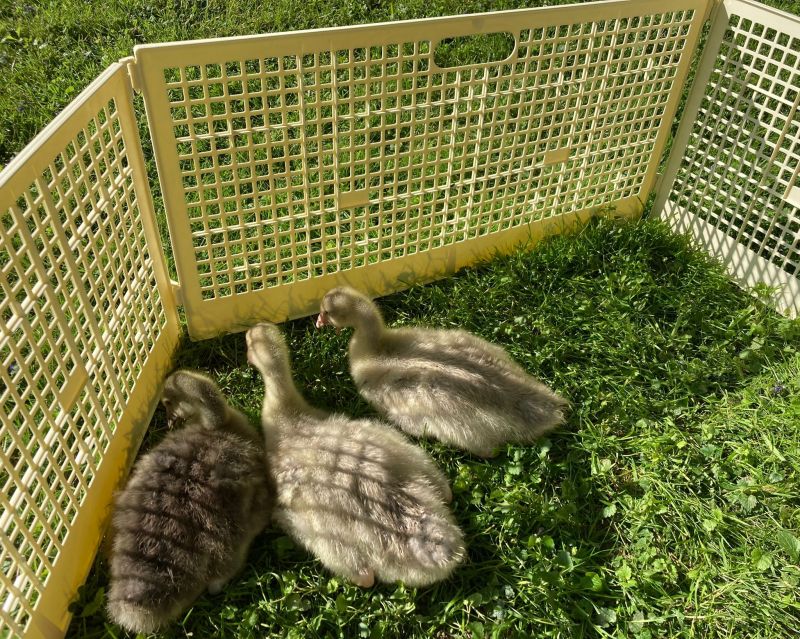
(193, 398)
(267, 351)
(345, 307)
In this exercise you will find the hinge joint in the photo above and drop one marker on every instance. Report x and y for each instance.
(177, 292)
(133, 73)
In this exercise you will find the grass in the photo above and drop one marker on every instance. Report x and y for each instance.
(667, 507)
(51, 50)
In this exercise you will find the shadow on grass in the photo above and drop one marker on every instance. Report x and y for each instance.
(570, 537)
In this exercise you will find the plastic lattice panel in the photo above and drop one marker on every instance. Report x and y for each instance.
(81, 315)
(739, 171)
(313, 160)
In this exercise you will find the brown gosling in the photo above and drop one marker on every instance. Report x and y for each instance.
(446, 384)
(185, 520)
(355, 493)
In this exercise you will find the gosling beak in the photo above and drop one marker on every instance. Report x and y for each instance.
(322, 319)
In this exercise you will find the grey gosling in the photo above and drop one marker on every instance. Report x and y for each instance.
(446, 384)
(193, 504)
(355, 493)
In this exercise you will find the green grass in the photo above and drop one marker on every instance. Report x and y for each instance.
(667, 507)
(51, 50)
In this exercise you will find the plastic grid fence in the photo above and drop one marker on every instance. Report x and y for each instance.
(736, 184)
(286, 159)
(85, 334)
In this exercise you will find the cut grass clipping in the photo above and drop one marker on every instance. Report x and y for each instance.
(667, 507)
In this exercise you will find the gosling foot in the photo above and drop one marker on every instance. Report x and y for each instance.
(365, 578)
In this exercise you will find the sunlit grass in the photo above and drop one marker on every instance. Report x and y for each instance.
(667, 507)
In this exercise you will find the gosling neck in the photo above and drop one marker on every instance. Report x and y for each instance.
(281, 396)
(368, 323)
(237, 423)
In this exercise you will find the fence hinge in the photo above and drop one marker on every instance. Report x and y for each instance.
(177, 293)
(659, 180)
(133, 72)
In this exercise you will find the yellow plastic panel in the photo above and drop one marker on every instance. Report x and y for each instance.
(88, 332)
(733, 180)
(293, 162)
